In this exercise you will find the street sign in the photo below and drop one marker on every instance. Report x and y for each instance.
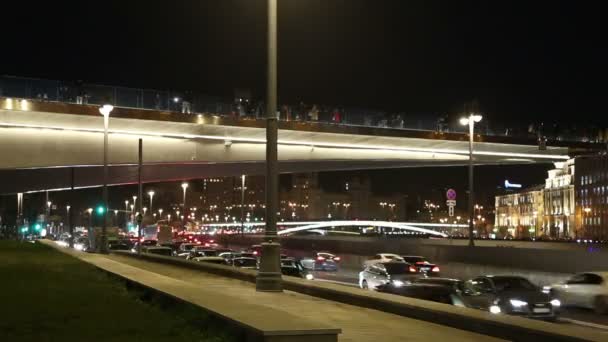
(451, 202)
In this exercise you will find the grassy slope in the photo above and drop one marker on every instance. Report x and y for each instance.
(48, 296)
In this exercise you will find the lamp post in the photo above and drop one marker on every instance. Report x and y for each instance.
(269, 274)
(134, 203)
(105, 110)
(470, 121)
(151, 194)
(184, 187)
(242, 204)
(70, 230)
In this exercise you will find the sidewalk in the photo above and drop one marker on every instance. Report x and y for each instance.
(357, 324)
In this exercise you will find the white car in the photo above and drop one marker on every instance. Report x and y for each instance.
(585, 290)
(382, 257)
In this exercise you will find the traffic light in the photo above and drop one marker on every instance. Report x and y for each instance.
(100, 210)
(37, 227)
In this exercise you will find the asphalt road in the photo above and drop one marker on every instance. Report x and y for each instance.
(582, 317)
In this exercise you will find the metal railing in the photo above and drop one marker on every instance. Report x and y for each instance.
(78, 92)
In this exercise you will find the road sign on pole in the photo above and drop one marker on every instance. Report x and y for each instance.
(451, 201)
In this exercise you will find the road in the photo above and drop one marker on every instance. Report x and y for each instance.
(587, 318)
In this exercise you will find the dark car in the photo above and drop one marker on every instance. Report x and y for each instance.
(119, 245)
(321, 261)
(387, 276)
(293, 268)
(166, 251)
(422, 265)
(200, 251)
(443, 290)
(241, 262)
(512, 295)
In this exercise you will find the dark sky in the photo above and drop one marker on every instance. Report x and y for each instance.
(519, 59)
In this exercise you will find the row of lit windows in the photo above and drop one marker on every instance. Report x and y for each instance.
(592, 179)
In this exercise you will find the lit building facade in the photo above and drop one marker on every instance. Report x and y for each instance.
(520, 214)
(591, 181)
(559, 218)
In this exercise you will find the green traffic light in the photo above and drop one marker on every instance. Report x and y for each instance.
(100, 210)
(37, 226)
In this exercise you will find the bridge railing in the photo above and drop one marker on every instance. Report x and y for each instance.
(78, 92)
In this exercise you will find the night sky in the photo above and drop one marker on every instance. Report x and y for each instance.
(520, 60)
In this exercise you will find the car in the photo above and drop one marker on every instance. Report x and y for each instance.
(210, 259)
(293, 268)
(513, 295)
(82, 244)
(387, 276)
(157, 250)
(149, 243)
(444, 290)
(382, 257)
(200, 251)
(422, 265)
(228, 256)
(243, 262)
(183, 251)
(118, 245)
(321, 261)
(585, 290)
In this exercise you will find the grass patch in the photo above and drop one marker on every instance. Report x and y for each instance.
(46, 295)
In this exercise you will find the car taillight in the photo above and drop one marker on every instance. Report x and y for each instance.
(255, 252)
(435, 269)
(337, 258)
(211, 241)
(320, 258)
(412, 269)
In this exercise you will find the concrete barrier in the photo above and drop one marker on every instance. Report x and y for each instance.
(501, 326)
(553, 258)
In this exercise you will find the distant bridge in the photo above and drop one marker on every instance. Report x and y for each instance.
(316, 225)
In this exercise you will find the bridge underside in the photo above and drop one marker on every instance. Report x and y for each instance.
(65, 178)
(60, 146)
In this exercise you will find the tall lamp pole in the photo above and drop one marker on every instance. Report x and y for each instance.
(151, 194)
(269, 274)
(105, 110)
(470, 121)
(242, 204)
(70, 229)
(184, 187)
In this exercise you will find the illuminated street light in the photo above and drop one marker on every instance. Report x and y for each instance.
(105, 111)
(151, 194)
(184, 187)
(470, 121)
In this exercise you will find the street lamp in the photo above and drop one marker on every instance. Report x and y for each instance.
(470, 121)
(151, 194)
(70, 230)
(105, 110)
(242, 203)
(269, 274)
(184, 187)
(134, 201)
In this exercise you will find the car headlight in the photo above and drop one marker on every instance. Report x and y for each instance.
(516, 303)
(310, 276)
(556, 303)
(397, 283)
(495, 309)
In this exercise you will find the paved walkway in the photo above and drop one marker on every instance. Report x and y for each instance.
(358, 324)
